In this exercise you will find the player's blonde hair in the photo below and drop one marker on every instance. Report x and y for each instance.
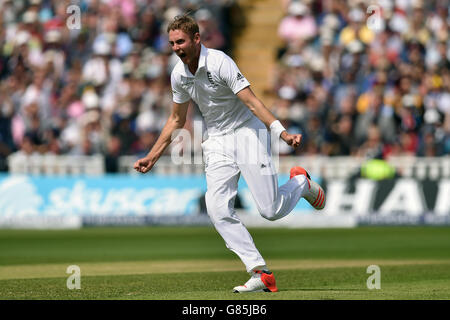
(184, 23)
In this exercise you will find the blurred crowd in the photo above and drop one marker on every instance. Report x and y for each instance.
(99, 82)
(92, 76)
(365, 78)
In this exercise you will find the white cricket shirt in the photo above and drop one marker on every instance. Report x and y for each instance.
(213, 88)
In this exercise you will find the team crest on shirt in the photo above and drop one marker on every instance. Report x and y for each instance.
(210, 79)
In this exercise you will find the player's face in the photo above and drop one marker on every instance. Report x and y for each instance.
(183, 45)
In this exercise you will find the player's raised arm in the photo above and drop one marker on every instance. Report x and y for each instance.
(258, 108)
(176, 120)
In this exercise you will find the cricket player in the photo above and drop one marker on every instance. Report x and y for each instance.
(239, 127)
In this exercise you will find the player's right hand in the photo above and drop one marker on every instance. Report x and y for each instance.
(143, 165)
(293, 140)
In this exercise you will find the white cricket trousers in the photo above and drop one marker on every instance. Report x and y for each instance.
(246, 151)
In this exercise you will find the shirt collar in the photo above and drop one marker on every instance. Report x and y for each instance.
(202, 58)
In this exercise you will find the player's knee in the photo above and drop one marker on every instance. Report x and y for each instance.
(270, 218)
(215, 211)
(217, 215)
(268, 213)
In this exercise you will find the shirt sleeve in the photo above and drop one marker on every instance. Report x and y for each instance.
(232, 76)
(179, 95)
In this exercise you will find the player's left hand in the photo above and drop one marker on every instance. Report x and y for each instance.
(291, 139)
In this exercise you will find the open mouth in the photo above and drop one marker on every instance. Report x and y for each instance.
(182, 55)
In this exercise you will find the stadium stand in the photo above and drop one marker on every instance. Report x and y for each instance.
(103, 90)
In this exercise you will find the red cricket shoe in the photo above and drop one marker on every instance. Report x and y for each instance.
(261, 281)
(315, 195)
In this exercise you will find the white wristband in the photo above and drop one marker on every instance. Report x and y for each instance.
(276, 128)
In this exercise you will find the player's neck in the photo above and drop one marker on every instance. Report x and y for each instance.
(193, 65)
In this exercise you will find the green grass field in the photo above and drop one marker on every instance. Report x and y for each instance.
(193, 263)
